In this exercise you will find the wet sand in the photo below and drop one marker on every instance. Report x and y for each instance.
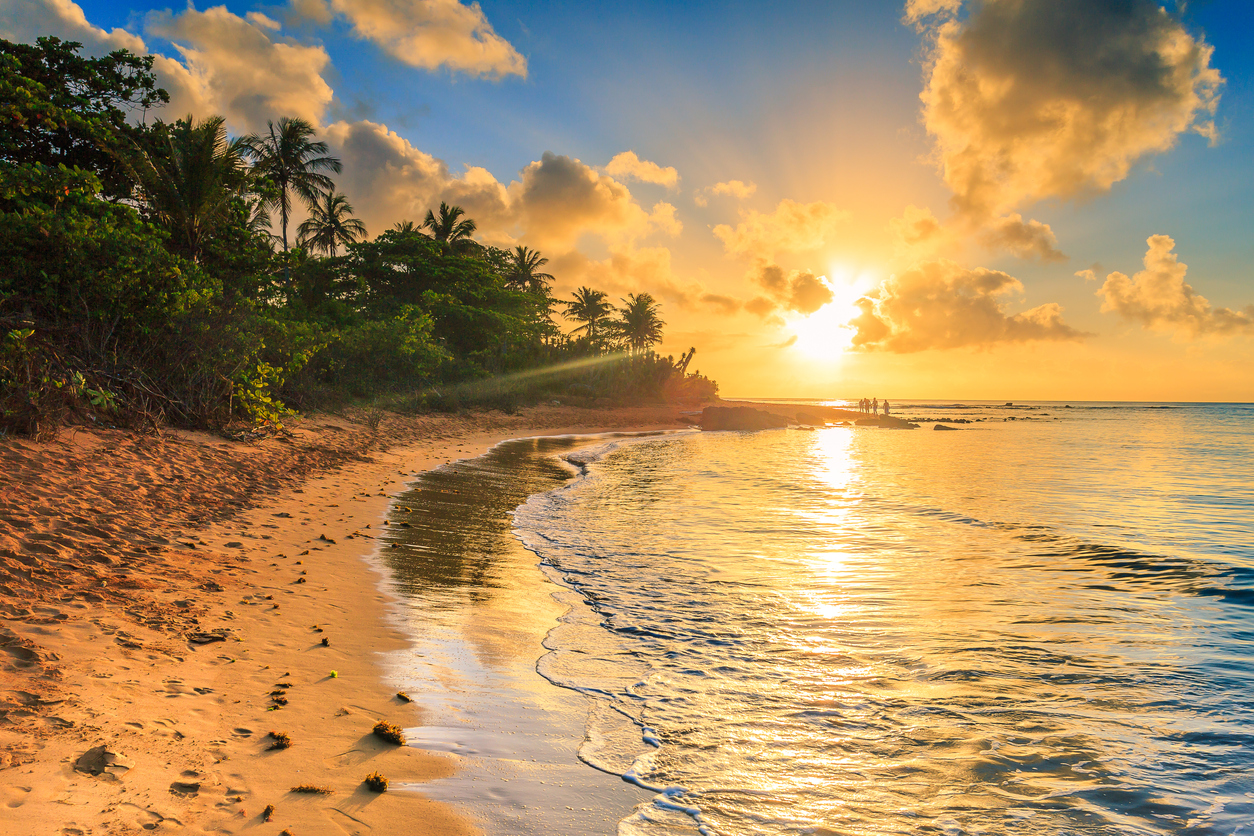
(167, 598)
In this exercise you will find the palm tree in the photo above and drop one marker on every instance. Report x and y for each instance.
(638, 321)
(190, 178)
(524, 271)
(589, 307)
(293, 163)
(404, 227)
(449, 229)
(330, 224)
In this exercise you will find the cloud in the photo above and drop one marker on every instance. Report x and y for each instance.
(916, 226)
(792, 227)
(627, 166)
(795, 290)
(558, 199)
(231, 66)
(630, 269)
(721, 304)
(916, 10)
(428, 34)
(760, 306)
(1034, 99)
(1025, 239)
(554, 202)
(735, 188)
(940, 304)
(22, 21)
(1159, 298)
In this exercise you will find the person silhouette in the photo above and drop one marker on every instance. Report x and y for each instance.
(875, 406)
(886, 406)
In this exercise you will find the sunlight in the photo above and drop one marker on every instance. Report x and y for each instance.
(826, 334)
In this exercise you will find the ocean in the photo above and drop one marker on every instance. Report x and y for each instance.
(1040, 624)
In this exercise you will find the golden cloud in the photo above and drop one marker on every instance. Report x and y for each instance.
(22, 21)
(1032, 99)
(429, 34)
(1158, 297)
(796, 290)
(738, 189)
(231, 66)
(628, 166)
(792, 227)
(554, 202)
(941, 304)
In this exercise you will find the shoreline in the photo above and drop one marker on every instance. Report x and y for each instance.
(128, 622)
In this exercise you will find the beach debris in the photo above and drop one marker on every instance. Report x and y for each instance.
(101, 760)
(326, 642)
(386, 731)
(268, 813)
(335, 674)
(278, 697)
(324, 538)
(281, 741)
(219, 634)
(376, 782)
(403, 697)
(311, 789)
(299, 580)
(285, 833)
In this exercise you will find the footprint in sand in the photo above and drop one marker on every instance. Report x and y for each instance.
(15, 797)
(242, 732)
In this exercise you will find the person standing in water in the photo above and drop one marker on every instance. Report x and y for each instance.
(875, 406)
(886, 407)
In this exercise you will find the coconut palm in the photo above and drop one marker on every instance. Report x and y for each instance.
(525, 272)
(638, 322)
(448, 227)
(189, 178)
(330, 224)
(591, 307)
(288, 157)
(404, 227)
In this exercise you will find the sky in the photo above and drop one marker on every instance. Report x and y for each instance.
(954, 199)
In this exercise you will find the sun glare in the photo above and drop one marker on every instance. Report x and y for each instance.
(826, 333)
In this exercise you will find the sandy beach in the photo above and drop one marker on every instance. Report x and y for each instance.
(167, 602)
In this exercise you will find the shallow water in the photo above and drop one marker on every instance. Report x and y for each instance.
(1038, 626)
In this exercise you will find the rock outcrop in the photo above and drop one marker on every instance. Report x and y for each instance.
(740, 418)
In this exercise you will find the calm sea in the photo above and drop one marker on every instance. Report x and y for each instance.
(1042, 625)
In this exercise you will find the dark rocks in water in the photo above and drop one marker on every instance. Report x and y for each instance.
(943, 427)
(887, 422)
(806, 417)
(740, 418)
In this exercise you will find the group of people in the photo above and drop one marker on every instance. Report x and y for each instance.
(872, 406)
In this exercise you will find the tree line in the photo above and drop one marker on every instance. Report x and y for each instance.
(149, 273)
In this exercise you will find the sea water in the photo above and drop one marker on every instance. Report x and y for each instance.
(1042, 625)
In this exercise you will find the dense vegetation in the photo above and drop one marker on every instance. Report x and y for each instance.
(148, 274)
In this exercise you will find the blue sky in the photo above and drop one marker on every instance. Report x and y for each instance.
(817, 106)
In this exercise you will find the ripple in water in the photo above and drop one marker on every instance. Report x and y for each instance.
(1028, 628)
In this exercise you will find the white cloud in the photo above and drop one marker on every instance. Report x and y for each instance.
(628, 166)
(1158, 297)
(428, 34)
(940, 304)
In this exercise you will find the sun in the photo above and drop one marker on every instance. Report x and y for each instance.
(826, 333)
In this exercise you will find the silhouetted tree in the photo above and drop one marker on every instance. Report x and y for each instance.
(449, 228)
(638, 322)
(591, 307)
(288, 157)
(330, 224)
(524, 266)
